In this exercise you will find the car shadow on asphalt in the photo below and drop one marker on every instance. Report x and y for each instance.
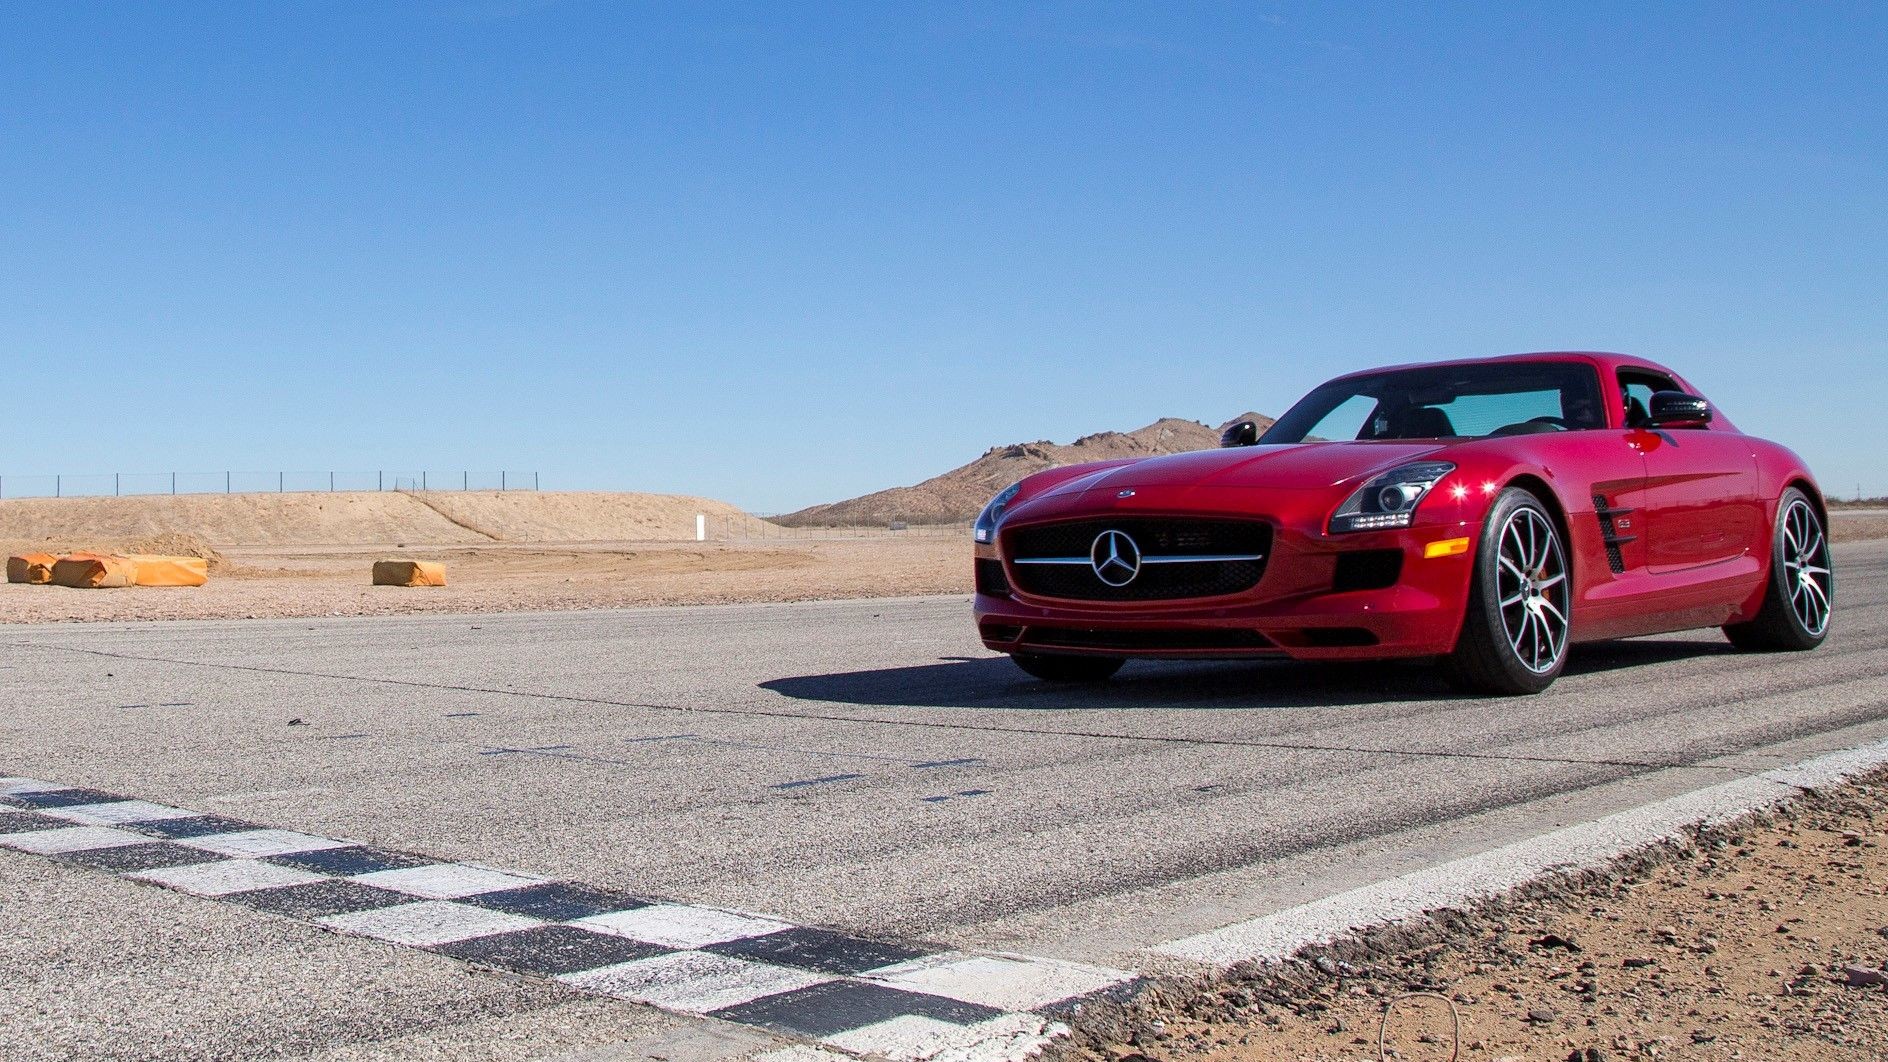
(994, 682)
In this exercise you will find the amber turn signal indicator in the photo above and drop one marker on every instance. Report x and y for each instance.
(1448, 547)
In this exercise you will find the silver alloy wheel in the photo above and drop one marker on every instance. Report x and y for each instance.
(1806, 567)
(1531, 585)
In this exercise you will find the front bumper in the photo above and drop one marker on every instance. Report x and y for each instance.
(1297, 609)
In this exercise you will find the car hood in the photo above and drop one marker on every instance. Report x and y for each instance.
(1302, 466)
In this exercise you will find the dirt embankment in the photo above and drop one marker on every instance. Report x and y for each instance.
(1766, 940)
(437, 518)
(957, 496)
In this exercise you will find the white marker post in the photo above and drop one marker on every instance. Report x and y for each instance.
(701, 527)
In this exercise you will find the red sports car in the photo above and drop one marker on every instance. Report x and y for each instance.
(1488, 514)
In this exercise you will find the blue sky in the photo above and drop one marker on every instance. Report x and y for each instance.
(785, 253)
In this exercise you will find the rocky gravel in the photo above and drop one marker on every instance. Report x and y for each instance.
(1766, 940)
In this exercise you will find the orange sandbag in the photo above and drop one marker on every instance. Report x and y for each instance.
(154, 570)
(409, 573)
(33, 568)
(86, 572)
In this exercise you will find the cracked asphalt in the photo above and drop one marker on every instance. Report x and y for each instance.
(863, 765)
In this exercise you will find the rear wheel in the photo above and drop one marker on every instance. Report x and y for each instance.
(1516, 632)
(1052, 668)
(1800, 596)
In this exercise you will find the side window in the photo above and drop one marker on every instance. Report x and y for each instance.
(1637, 387)
(1350, 420)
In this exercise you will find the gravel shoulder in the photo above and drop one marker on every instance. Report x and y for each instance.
(1767, 939)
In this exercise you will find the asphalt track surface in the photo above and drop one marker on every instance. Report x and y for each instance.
(863, 766)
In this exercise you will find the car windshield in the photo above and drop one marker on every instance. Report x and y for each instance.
(1447, 402)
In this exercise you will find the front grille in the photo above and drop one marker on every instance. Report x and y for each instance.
(1132, 641)
(1156, 538)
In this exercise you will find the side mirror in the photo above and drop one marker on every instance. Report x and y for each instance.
(1676, 409)
(1244, 433)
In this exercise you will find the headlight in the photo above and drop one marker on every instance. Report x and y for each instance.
(1390, 500)
(986, 520)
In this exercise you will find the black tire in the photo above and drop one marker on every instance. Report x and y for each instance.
(1799, 599)
(1053, 668)
(1520, 646)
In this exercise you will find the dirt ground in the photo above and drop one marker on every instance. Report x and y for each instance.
(1765, 941)
(261, 582)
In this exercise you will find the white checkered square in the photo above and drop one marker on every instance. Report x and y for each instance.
(427, 923)
(445, 881)
(11, 786)
(256, 844)
(693, 982)
(910, 1037)
(119, 812)
(675, 925)
(997, 981)
(70, 839)
(226, 876)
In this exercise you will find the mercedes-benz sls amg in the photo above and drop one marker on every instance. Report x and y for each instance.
(1487, 514)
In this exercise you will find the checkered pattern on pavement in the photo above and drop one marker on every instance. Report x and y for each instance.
(843, 992)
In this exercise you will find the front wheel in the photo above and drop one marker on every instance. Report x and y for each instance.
(1516, 632)
(1799, 599)
(1051, 668)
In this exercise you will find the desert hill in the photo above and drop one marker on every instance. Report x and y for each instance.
(957, 495)
(437, 518)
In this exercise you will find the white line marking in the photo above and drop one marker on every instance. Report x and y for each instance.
(445, 881)
(226, 876)
(119, 812)
(70, 839)
(259, 843)
(1464, 881)
(427, 923)
(679, 926)
(693, 982)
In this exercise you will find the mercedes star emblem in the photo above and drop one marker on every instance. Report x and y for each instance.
(1115, 558)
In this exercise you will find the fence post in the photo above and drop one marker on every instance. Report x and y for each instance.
(501, 481)
(465, 479)
(58, 486)
(226, 481)
(281, 481)
(330, 483)
(114, 485)
(173, 483)
(380, 482)
(422, 479)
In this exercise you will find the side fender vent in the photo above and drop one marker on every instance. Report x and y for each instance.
(1609, 532)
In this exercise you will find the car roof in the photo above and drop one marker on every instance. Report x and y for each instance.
(1605, 361)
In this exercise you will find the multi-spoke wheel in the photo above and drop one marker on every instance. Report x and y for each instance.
(1800, 597)
(1516, 632)
(1531, 578)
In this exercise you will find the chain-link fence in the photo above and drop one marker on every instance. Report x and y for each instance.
(125, 484)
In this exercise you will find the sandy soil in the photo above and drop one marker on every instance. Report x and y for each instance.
(252, 582)
(1760, 942)
(1845, 527)
(278, 580)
